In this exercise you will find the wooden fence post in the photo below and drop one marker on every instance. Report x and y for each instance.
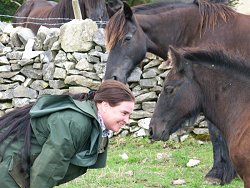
(77, 10)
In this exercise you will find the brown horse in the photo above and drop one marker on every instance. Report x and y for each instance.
(34, 13)
(216, 84)
(153, 27)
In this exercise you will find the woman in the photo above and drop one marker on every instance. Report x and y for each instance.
(66, 136)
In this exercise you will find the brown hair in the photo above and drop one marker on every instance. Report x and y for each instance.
(113, 92)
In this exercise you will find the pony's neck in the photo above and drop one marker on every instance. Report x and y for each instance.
(169, 27)
(226, 98)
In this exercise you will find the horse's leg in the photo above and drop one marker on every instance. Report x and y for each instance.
(223, 170)
(246, 181)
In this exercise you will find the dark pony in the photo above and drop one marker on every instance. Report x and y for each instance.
(17, 124)
(132, 32)
(34, 13)
(216, 83)
(128, 26)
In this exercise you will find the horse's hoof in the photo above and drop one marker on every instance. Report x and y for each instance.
(213, 181)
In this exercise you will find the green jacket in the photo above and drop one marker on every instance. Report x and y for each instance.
(66, 141)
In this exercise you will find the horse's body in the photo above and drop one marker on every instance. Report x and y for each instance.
(34, 13)
(152, 28)
(215, 84)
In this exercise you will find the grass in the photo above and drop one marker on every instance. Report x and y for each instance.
(151, 165)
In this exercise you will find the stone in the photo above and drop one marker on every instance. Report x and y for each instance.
(193, 162)
(77, 35)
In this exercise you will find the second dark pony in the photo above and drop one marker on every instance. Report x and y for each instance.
(215, 83)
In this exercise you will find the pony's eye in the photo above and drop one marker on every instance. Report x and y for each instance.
(169, 89)
(128, 37)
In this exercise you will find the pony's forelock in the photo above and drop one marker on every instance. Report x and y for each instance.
(115, 29)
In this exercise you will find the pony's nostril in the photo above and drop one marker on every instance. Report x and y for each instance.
(114, 77)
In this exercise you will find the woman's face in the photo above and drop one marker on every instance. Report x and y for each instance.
(115, 117)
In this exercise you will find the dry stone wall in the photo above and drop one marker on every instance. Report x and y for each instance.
(62, 60)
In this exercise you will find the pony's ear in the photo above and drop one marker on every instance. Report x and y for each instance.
(113, 6)
(175, 58)
(127, 11)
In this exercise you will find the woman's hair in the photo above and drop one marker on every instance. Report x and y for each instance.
(113, 92)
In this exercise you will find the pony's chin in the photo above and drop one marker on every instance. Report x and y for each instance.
(159, 137)
(175, 128)
(165, 136)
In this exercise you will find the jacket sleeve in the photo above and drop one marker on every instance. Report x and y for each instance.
(69, 131)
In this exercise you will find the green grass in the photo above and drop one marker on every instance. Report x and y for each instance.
(143, 169)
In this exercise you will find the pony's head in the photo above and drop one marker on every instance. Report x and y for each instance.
(125, 36)
(180, 98)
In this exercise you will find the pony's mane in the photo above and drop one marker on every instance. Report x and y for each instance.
(144, 8)
(115, 29)
(220, 58)
(210, 14)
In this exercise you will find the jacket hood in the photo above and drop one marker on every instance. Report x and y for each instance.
(48, 104)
